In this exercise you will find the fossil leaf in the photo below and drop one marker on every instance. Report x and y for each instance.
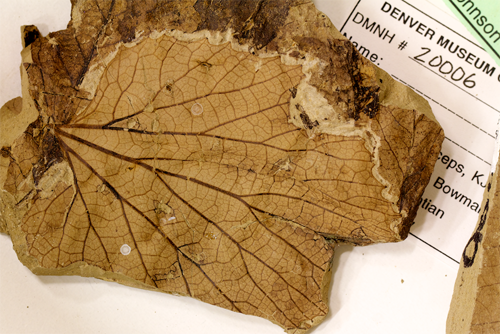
(213, 158)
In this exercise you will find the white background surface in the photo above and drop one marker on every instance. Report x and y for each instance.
(367, 294)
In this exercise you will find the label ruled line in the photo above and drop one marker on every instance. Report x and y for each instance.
(416, 61)
(440, 251)
(486, 162)
(430, 98)
(463, 148)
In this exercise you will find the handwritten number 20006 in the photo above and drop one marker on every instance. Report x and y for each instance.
(446, 67)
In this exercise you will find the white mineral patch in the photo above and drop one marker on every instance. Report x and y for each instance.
(125, 249)
(155, 125)
(149, 108)
(197, 109)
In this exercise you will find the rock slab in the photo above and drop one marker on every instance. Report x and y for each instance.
(212, 149)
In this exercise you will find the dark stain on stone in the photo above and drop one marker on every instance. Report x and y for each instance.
(366, 98)
(308, 124)
(476, 238)
(51, 155)
(252, 21)
(31, 34)
(5, 152)
(308, 44)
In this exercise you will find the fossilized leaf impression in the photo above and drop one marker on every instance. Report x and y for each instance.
(213, 151)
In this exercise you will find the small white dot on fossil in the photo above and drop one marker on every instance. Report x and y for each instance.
(197, 109)
(125, 249)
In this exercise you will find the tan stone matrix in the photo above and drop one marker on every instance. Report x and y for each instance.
(209, 149)
(475, 307)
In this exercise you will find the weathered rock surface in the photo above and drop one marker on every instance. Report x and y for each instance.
(211, 149)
